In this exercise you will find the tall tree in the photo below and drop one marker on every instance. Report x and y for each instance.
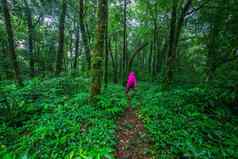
(180, 22)
(124, 59)
(106, 41)
(155, 50)
(30, 37)
(176, 25)
(84, 33)
(76, 48)
(60, 52)
(97, 58)
(11, 43)
(211, 57)
(171, 50)
(114, 61)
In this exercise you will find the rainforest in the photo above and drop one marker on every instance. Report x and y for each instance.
(118, 79)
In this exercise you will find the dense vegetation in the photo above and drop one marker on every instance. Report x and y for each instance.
(52, 119)
(64, 65)
(198, 123)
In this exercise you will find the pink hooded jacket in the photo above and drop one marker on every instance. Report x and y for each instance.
(131, 81)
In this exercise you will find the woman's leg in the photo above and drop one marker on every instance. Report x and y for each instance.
(128, 97)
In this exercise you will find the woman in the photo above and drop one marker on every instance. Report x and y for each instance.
(131, 84)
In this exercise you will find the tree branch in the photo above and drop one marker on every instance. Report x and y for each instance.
(38, 21)
(198, 8)
(136, 52)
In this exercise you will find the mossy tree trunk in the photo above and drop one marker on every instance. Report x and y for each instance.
(155, 46)
(150, 58)
(5, 59)
(60, 53)
(84, 33)
(98, 54)
(171, 50)
(106, 44)
(11, 43)
(212, 52)
(30, 38)
(76, 48)
(114, 60)
(176, 26)
(125, 54)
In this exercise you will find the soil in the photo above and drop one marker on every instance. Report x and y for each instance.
(133, 141)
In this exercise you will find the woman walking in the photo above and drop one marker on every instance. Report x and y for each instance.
(131, 84)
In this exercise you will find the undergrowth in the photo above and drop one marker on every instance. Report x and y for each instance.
(191, 122)
(53, 119)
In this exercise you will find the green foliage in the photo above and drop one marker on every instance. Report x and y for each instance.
(113, 100)
(196, 122)
(53, 119)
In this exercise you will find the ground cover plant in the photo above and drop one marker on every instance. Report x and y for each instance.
(53, 119)
(191, 122)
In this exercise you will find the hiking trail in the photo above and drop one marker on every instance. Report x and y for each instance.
(133, 142)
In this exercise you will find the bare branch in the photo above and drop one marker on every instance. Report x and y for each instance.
(136, 52)
(198, 8)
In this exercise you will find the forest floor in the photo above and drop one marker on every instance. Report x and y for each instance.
(43, 119)
(133, 141)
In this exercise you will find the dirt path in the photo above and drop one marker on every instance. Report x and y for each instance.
(133, 141)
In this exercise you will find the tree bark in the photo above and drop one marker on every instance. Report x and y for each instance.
(162, 54)
(171, 50)
(69, 61)
(114, 62)
(181, 20)
(125, 69)
(175, 31)
(30, 38)
(97, 58)
(5, 58)
(11, 43)
(150, 58)
(155, 48)
(117, 61)
(106, 50)
(211, 57)
(60, 53)
(76, 48)
(83, 33)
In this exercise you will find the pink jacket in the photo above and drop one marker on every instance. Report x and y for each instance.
(131, 81)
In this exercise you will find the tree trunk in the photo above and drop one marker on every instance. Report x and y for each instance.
(175, 31)
(136, 52)
(30, 38)
(5, 58)
(181, 21)
(60, 53)
(158, 57)
(11, 43)
(106, 50)
(172, 47)
(143, 66)
(211, 57)
(125, 69)
(71, 42)
(150, 58)
(83, 33)
(161, 55)
(97, 58)
(76, 49)
(114, 62)
(154, 49)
